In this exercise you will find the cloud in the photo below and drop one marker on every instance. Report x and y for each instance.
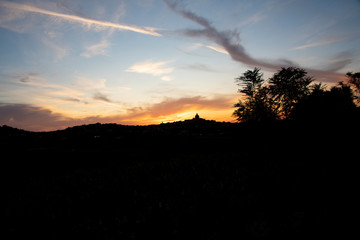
(66, 8)
(102, 97)
(32, 87)
(229, 41)
(149, 67)
(217, 49)
(322, 42)
(340, 61)
(30, 77)
(89, 23)
(257, 17)
(86, 83)
(171, 106)
(167, 78)
(102, 47)
(199, 67)
(310, 45)
(32, 118)
(70, 99)
(221, 38)
(13, 20)
(175, 109)
(196, 46)
(29, 117)
(96, 49)
(59, 52)
(84, 97)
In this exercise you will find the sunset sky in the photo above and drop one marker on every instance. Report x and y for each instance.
(73, 62)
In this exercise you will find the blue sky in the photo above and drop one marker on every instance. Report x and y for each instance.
(70, 62)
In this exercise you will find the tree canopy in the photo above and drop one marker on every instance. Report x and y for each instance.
(288, 86)
(291, 94)
(257, 105)
(354, 83)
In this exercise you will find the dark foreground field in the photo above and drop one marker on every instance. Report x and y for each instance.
(188, 180)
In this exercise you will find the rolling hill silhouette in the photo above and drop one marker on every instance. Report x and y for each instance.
(189, 179)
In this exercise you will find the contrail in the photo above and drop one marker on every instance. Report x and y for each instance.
(73, 18)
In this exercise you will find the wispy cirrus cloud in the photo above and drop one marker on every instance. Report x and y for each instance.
(59, 52)
(199, 67)
(257, 17)
(322, 42)
(87, 83)
(217, 49)
(102, 48)
(153, 68)
(195, 46)
(313, 44)
(89, 23)
(96, 49)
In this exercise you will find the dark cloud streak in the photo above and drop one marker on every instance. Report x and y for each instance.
(199, 67)
(101, 97)
(222, 38)
(238, 52)
(340, 61)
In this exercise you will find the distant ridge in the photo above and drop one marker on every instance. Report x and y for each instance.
(116, 137)
(192, 135)
(197, 120)
(11, 130)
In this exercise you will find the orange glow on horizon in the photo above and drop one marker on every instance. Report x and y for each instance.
(219, 116)
(169, 110)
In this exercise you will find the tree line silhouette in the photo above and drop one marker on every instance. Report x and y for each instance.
(291, 94)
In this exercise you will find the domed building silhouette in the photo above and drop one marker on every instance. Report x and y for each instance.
(197, 118)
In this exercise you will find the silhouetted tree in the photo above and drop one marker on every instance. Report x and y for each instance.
(317, 87)
(354, 82)
(257, 105)
(326, 105)
(251, 81)
(289, 95)
(288, 86)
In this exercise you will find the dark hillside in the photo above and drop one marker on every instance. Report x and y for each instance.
(194, 179)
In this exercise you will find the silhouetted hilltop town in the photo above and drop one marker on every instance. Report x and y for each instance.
(110, 136)
(192, 133)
